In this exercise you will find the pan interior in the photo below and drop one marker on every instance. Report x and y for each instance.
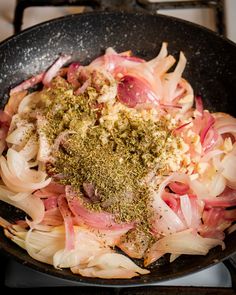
(211, 70)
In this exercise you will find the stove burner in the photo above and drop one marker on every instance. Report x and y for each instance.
(125, 5)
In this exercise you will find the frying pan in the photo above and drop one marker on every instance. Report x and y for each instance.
(211, 70)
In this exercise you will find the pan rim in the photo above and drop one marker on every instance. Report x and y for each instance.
(86, 281)
(77, 280)
(119, 13)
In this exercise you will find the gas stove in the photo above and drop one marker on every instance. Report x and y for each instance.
(213, 14)
(126, 5)
(216, 15)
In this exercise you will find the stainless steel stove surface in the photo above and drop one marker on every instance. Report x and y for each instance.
(19, 276)
(34, 15)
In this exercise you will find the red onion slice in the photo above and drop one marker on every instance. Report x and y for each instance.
(68, 220)
(72, 74)
(53, 70)
(28, 83)
(199, 104)
(133, 91)
(179, 187)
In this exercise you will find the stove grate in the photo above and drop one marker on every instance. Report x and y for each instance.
(126, 5)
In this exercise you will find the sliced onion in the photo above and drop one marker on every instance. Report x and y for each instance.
(43, 245)
(4, 223)
(30, 150)
(71, 258)
(227, 129)
(99, 220)
(186, 242)
(53, 70)
(68, 222)
(72, 74)
(167, 221)
(133, 91)
(179, 188)
(225, 124)
(94, 272)
(209, 123)
(61, 138)
(173, 257)
(52, 217)
(171, 80)
(162, 66)
(199, 104)
(18, 135)
(30, 204)
(13, 102)
(161, 55)
(18, 197)
(27, 83)
(4, 118)
(51, 190)
(231, 229)
(211, 154)
(231, 184)
(215, 221)
(50, 202)
(222, 201)
(44, 146)
(181, 127)
(152, 255)
(28, 102)
(18, 166)
(88, 243)
(217, 185)
(229, 167)
(186, 209)
(111, 261)
(210, 139)
(5, 121)
(16, 174)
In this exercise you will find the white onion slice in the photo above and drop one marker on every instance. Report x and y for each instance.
(111, 261)
(16, 174)
(229, 167)
(31, 205)
(216, 185)
(44, 146)
(88, 243)
(18, 135)
(30, 150)
(231, 229)
(211, 154)
(64, 258)
(186, 242)
(95, 272)
(28, 102)
(43, 245)
(167, 220)
(4, 223)
(186, 208)
(173, 257)
(171, 80)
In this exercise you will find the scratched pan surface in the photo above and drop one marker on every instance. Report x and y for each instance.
(211, 70)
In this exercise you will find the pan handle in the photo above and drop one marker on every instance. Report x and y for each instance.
(230, 263)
